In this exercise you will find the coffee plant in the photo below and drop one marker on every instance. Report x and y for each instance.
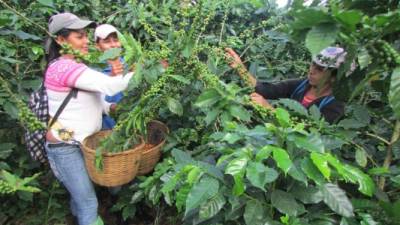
(226, 160)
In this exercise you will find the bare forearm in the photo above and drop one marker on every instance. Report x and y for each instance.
(247, 76)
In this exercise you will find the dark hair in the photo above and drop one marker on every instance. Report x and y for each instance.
(113, 33)
(54, 48)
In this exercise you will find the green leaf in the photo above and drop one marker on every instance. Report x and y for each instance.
(283, 117)
(263, 153)
(332, 142)
(207, 98)
(9, 177)
(364, 59)
(170, 184)
(315, 114)
(193, 175)
(179, 78)
(10, 60)
(394, 92)
(309, 17)
(37, 50)
(127, 212)
(175, 106)
(212, 116)
(236, 166)
(367, 219)
(378, 171)
(259, 175)
(350, 18)
(396, 179)
(137, 197)
(151, 75)
(361, 114)
(47, 3)
(351, 124)
(337, 200)
(207, 187)
(286, 204)
(312, 142)
(254, 213)
(136, 80)
(182, 157)
(362, 203)
(361, 157)
(231, 138)
(212, 206)
(392, 209)
(136, 51)
(297, 174)
(187, 51)
(26, 36)
(307, 195)
(366, 184)
(239, 186)
(239, 112)
(320, 37)
(294, 106)
(98, 221)
(110, 54)
(11, 109)
(321, 163)
(6, 149)
(353, 174)
(182, 195)
(281, 158)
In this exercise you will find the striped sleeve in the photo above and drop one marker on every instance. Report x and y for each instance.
(63, 74)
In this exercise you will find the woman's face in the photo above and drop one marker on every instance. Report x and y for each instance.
(78, 40)
(318, 75)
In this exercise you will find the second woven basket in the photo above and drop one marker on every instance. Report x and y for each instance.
(155, 140)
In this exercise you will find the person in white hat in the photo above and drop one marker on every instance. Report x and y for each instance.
(81, 116)
(316, 89)
(106, 37)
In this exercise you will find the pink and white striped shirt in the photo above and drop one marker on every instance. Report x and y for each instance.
(83, 114)
(62, 74)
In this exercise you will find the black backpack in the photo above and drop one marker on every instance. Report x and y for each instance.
(38, 104)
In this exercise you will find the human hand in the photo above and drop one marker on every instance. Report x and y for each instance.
(234, 58)
(132, 68)
(113, 107)
(164, 63)
(116, 67)
(258, 99)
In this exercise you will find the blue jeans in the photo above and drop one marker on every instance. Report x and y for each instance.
(66, 162)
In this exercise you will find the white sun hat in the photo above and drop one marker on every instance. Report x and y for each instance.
(103, 31)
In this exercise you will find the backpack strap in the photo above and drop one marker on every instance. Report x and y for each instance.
(300, 88)
(325, 101)
(72, 93)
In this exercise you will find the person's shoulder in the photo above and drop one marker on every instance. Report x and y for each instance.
(65, 63)
(336, 105)
(295, 80)
(292, 83)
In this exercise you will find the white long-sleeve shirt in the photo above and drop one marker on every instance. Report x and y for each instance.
(83, 114)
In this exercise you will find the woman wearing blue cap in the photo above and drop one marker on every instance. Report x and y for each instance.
(81, 116)
(316, 89)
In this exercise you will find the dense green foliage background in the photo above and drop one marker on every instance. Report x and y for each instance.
(226, 162)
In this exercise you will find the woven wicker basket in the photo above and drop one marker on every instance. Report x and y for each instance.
(119, 168)
(151, 154)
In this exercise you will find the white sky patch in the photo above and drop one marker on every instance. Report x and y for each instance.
(282, 3)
